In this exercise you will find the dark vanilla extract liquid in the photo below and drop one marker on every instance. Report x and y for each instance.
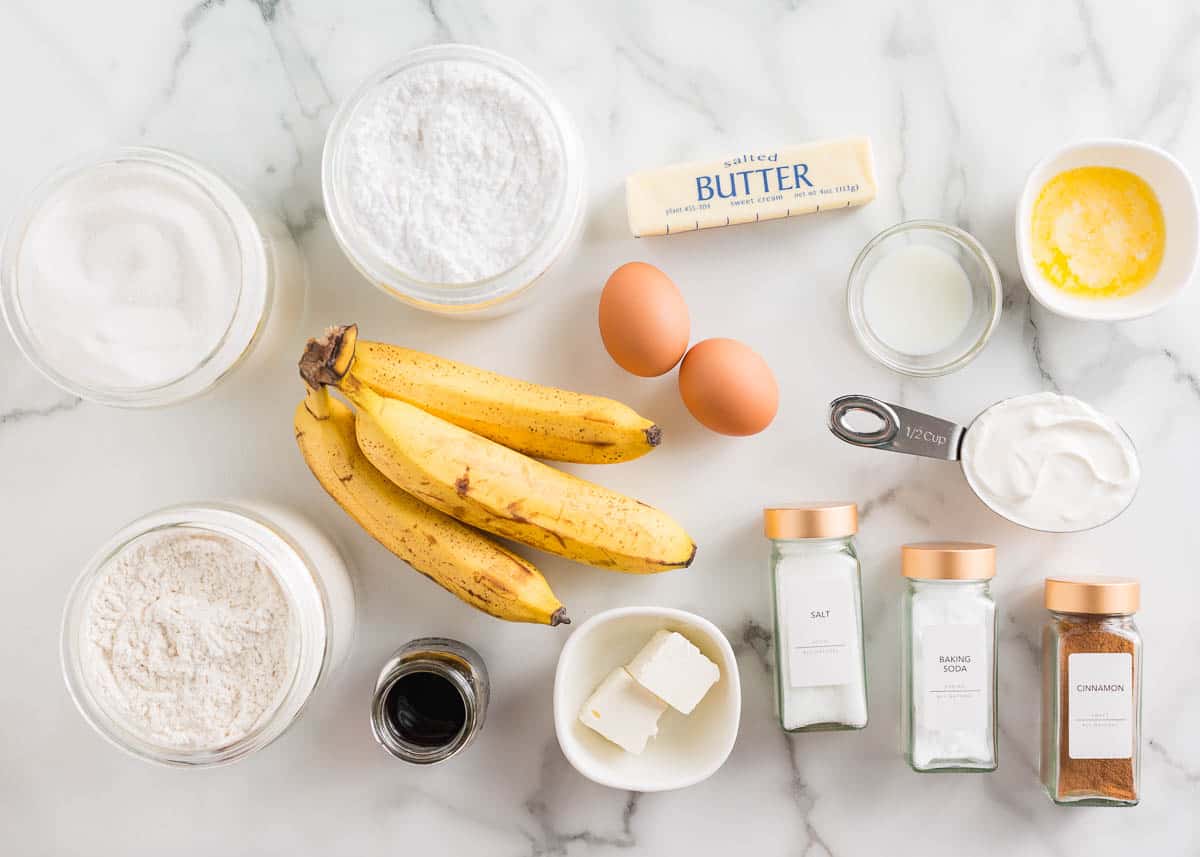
(426, 709)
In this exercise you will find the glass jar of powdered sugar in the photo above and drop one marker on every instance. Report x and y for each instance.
(137, 277)
(198, 634)
(948, 708)
(820, 670)
(453, 180)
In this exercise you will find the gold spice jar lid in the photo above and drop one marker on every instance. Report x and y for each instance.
(1093, 594)
(948, 561)
(811, 520)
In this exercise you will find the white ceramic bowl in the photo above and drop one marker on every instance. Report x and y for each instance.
(687, 749)
(1176, 194)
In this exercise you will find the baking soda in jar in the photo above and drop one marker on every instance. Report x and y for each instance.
(948, 658)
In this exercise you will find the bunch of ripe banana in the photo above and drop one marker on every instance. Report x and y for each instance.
(435, 449)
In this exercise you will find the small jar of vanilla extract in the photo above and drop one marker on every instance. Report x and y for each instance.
(430, 700)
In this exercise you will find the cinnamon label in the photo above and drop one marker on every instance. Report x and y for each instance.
(1100, 699)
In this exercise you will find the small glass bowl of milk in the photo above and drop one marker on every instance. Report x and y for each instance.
(924, 298)
(137, 277)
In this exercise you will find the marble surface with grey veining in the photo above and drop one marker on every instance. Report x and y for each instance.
(960, 99)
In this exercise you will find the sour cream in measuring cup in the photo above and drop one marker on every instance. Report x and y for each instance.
(1044, 461)
(1050, 462)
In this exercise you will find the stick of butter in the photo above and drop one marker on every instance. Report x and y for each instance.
(750, 187)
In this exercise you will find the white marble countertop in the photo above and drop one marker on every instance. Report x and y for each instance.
(959, 104)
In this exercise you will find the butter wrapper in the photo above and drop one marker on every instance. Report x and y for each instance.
(751, 186)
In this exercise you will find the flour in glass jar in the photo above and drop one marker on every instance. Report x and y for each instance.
(188, 639)
(453, 170)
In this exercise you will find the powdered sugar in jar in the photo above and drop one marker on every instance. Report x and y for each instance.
(453, 179)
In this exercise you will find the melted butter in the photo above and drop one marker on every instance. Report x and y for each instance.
(1098, 232)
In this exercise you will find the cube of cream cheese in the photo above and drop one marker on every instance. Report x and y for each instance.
(674, 670)
(623, 711)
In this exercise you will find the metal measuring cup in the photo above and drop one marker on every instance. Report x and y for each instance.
(915, 433)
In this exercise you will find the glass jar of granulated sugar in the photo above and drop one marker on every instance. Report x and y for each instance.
(137, 277)
(948, 708)
(820, 669)
(1092, 692)
(454, 180)
(198, 634)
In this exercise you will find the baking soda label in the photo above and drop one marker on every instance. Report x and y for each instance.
(954, 666)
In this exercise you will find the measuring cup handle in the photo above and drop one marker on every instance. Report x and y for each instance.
(903, 430)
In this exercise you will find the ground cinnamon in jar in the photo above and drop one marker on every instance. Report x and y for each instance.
(1092, 687)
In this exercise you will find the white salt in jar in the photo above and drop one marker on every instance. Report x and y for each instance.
(820, 670)
(949, 657)
(198, 634)
(137, 277)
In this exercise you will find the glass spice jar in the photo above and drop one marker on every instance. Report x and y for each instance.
(430, 700)
(948, 710)
(1091, 692)
(820, 672)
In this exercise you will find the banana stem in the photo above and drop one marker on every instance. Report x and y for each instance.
(317, 402)
(328, 359)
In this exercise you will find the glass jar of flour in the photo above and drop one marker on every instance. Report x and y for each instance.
(198, 634)
(820, 672)
(949, 657)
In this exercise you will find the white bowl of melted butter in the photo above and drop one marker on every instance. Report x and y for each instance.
(1083, 198)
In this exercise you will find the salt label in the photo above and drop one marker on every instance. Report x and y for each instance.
(1100, 705)
(954, 665)
(820, 625)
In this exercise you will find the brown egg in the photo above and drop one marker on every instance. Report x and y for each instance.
(728, 387)
(643, 320)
